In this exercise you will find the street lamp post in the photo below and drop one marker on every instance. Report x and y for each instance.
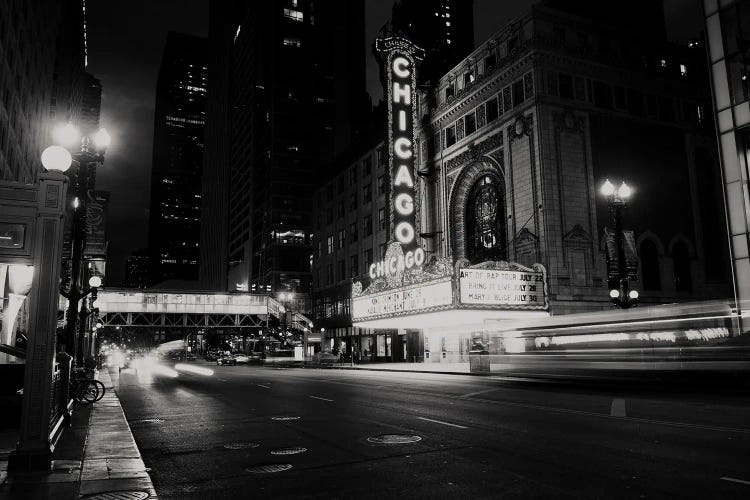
(89, 151)
(617, 202)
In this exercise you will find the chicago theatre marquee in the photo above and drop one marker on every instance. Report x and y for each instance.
(441, 299)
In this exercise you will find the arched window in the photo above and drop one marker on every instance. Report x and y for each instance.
(485, 221)
(683, 281)
(650, 266)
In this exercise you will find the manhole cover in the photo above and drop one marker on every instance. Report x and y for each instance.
(288, 451)
(268, 468)
(118, 495)
(284, 418)
(240, 446)
(394, 439)
(147, 421)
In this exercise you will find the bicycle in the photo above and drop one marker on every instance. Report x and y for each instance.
(84, 388)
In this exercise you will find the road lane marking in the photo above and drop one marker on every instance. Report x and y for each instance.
(733, 480)
(222, 380)
(322, 399)
(480, 392)
(618, 408)
(443, 423)
(264, 386)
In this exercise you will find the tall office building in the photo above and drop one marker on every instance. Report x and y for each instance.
(444, 28)
(291, 81)
(179, 117)
(728, 35)
(28, 36)
(137, 269)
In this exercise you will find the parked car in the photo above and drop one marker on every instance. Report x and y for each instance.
(324, 357)
(212, 355)
(226, 359)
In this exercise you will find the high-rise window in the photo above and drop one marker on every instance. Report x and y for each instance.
(381, 185)
(292, 42)
(367, 225)
(354, 265)
(353, 232)
(382, 222)
(330, 244)
(342, 238)
(294, 15)
(366, 194)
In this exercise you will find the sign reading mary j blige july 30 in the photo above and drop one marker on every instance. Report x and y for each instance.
(501, 288)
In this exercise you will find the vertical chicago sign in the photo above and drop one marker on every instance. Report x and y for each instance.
(400, 58)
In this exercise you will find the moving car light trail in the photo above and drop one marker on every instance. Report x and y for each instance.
(700, 336)
(198, 370)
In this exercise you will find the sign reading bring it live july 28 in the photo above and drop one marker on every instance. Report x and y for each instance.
(496, 287)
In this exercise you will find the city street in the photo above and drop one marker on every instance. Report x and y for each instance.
(201, 436)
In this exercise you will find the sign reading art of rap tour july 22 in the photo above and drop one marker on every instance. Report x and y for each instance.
(497, 287)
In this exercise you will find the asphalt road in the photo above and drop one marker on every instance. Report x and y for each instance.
(480, 437)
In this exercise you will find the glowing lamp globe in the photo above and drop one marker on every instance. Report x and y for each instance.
(608, 189)
(102, 139)
(624, 191)
(56, 158)
(95, 282)
(633, 294)
(67, 135)
(614, 293)
(99, 324)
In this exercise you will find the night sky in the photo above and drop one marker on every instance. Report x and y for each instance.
(125, 42)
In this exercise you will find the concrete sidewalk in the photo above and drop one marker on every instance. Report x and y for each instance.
(108, 462)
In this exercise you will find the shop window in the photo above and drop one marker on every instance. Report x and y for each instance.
(449, 92)
(620, 98)
(683, 280)
(635, 102)
(650, 266)
(492, 110)
(470, 123)
(666, 109)
(489, 63)
(518, 96)
(602, 95)
(450, 136)
(485, 216)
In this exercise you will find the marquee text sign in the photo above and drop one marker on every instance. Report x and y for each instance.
(493, 287)
(403, 301)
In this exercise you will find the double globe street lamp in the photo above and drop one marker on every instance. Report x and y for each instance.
(617, 202)
(87, 153)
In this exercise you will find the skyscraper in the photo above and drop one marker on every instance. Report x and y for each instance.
(28, 33)
(174, 225)
(291, 82)
(444, 28)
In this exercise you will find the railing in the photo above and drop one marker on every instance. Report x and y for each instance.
(60, 402)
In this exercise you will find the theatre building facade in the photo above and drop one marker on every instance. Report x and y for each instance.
(488, 209)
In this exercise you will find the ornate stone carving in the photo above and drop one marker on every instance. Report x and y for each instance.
(475, 150)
